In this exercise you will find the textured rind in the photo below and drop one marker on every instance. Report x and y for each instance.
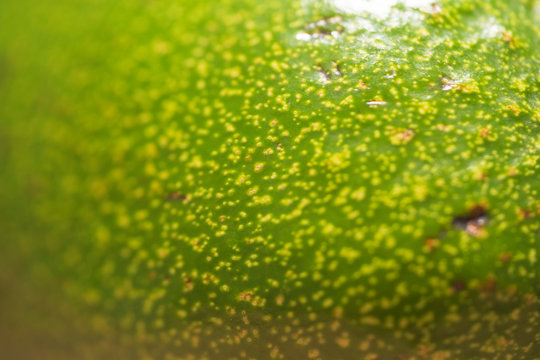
(270, 179)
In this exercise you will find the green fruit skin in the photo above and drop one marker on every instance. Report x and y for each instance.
(269, 179)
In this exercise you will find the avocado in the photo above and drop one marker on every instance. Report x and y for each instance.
(270, 179)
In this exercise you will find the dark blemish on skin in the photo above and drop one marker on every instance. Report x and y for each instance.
(337, 70)
(508, 37)
(188, 284)
(505, 257)
(390, 75)
(325, 74)
(247, 295)
(446, 83)
(177, 196)
(431, 244)
(329, 75)
(484, 132)
(525, 214)
(325, 32)
(489, 286)
(473, 222)
(325, 27)
(481, 176)
(458, 286)
(324, 22)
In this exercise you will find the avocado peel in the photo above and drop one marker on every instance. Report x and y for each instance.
(269, 180)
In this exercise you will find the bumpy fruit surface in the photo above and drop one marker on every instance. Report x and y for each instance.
(269, 179)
